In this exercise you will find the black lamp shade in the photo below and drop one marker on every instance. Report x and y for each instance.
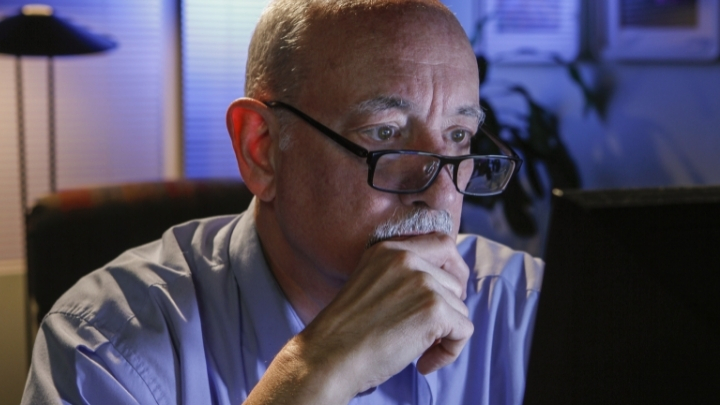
(48, 36)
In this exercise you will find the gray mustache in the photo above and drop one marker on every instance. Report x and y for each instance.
(414, 222)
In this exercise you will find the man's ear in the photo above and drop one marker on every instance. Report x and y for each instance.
(247, 122)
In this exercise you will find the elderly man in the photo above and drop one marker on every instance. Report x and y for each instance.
(345, 281)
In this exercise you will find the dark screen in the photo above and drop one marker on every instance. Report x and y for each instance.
(629, 309)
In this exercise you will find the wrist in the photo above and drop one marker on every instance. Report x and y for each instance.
(300, 374)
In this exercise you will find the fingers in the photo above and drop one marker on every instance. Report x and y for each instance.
(448, 348)
(441, 252)
(444, 285)
(450, 329)
(404, 296)
(437, 256)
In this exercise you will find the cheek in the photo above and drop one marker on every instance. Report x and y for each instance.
(456, 212)
(327, 210)
(321, 181)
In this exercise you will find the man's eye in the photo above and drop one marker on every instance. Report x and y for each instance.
(459, 135)
(383, 133)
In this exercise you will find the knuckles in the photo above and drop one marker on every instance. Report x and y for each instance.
(421, 281)
(391, 256)
(402, 259)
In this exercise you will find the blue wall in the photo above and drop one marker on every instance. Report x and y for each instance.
(662, 127)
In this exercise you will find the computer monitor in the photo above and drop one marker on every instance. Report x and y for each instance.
(629, 310)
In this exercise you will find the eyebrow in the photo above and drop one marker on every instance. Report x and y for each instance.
(472, 111)
(382, 103)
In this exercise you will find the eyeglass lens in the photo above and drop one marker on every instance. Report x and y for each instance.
(414, 172)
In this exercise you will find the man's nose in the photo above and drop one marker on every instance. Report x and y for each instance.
(441, 194)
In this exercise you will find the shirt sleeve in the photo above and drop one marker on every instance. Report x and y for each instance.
(73, 363)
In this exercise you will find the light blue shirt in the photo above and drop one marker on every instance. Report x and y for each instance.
(197, 317)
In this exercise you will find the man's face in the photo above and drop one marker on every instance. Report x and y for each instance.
(387, 81)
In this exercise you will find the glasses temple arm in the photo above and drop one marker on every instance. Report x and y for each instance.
(356, 149)
(500, 143)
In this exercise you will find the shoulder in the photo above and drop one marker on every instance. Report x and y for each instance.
(491, 260)
(136, 282)
(502, 296)
(123, 329)
(503, 288)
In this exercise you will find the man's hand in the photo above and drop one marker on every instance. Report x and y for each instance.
(404, 301)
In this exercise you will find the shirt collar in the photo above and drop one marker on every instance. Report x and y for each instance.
(269, 320)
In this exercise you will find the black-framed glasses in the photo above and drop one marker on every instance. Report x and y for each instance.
(412, 171)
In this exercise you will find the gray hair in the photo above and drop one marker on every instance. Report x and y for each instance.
(273, 68)
(418, 221)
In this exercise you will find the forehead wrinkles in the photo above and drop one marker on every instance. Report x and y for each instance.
(334, 58)
(367, 54)
(355, 31)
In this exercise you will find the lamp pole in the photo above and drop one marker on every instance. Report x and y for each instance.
(52, 153)
(37, 31)
(21, 136)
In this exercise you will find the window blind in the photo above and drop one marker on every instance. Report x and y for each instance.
(530, 30)
(109, 108)
(215, 38)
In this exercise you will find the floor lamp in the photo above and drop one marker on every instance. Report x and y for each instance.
(37, 31)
